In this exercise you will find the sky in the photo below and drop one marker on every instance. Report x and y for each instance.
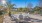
(24, 3)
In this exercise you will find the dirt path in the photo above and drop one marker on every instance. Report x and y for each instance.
(6, 19)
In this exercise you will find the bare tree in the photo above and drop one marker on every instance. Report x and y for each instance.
(30, 5)
(40, 3)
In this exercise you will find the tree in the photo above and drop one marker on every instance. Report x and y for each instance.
(2, 10)
(38, 9)
(25, 9)
(30, 5)
(40, 3)
(20, 9)
(10, 6)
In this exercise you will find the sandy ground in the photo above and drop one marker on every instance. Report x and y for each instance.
(7, 19)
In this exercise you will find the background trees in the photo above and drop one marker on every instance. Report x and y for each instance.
(37, 9)
(20, 9)
(26, 9)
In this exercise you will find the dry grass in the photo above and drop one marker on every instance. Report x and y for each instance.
(14, 12)
(1, 19)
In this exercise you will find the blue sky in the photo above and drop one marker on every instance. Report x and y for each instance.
(23, 3)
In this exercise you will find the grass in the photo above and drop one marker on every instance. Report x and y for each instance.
(15, 12)
(1, 19)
